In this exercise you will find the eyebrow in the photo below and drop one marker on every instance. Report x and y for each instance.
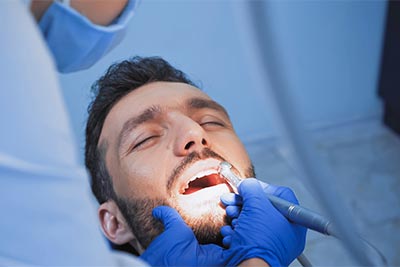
(152, 112)
(200, 103)
(147, 115)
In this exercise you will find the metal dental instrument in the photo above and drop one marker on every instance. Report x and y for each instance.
(299, 215)
(294, 213)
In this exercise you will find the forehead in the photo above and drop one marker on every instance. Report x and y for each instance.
(164, 94)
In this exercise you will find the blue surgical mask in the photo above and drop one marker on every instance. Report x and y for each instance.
(75, 42)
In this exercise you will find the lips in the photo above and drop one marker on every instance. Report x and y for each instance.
(201, 175)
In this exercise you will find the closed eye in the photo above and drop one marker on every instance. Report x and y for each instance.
(211, 123)
(143, 141)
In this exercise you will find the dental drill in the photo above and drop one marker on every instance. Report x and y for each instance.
(294, 213)
(301, 216)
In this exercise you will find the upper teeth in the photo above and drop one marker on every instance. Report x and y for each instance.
(201, 174)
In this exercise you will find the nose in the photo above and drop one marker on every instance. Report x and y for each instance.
(190, 137)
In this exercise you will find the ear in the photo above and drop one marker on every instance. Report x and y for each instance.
(113, 223)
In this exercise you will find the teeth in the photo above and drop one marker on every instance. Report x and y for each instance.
(202, 174)
(199, 175)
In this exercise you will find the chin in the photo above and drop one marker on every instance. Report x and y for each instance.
(204, 213)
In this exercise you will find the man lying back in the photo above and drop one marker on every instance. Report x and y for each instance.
(154, 143)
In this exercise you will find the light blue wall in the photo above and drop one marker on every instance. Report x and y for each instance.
(331, 52)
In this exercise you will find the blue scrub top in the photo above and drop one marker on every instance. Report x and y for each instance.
(48, 216)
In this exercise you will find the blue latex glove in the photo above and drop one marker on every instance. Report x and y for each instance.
(178, 246)
(258, 229)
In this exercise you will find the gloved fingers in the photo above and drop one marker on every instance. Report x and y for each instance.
(233, 211)
(168, 216)
(234, 223)
(263, 184)
(210, 255)
(178, 246)
(252, 193)
(231, 199)
(226, 230)
(282, 192)
(226, 241)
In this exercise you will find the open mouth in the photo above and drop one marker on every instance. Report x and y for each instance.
(201, 181)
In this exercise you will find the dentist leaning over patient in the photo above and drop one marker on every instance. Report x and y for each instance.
(47, 215)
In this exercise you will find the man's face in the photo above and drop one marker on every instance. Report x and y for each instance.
(164, 143)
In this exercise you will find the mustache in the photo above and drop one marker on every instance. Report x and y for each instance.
(192, 157)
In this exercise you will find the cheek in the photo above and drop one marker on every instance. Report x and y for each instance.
(233, 150)
(241, 157)
(141, 177)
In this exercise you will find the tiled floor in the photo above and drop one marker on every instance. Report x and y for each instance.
(365, 160)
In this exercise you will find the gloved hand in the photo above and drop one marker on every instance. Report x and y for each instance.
(177, 245)
(258, 229)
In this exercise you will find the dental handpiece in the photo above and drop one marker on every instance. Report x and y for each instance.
(294, 213)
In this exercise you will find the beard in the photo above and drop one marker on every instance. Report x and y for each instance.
(206, 226)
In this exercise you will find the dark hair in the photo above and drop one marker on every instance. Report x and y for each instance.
(119, 80)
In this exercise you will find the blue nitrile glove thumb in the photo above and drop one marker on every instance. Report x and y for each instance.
(177, 245)
(260, 231)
